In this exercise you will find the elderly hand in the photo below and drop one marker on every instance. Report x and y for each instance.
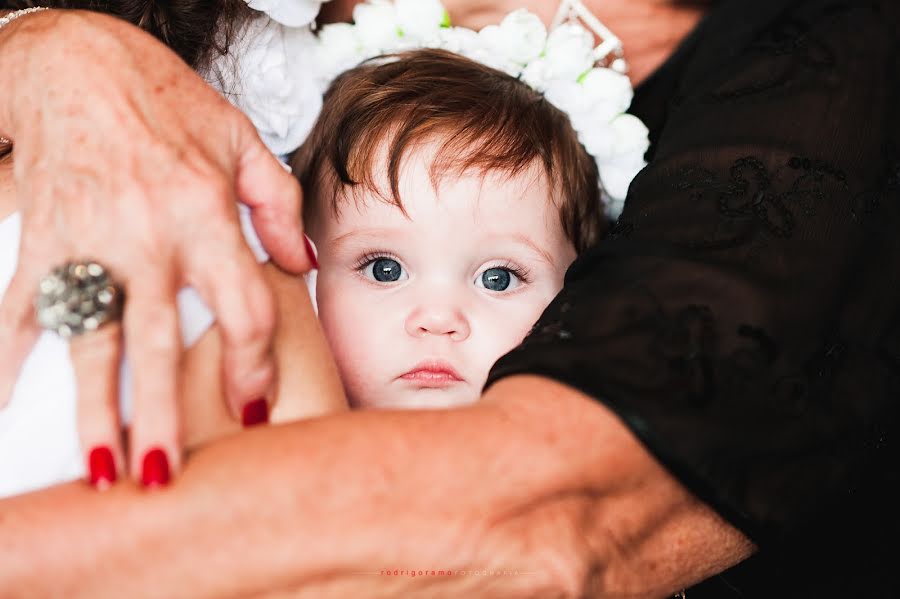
(126, 156)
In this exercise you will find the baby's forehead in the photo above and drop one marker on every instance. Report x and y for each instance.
(427, 171)
(472, 209)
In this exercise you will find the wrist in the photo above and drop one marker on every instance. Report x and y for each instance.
(614, 521)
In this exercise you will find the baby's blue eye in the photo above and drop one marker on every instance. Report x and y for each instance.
(496, 279)
(386, 270)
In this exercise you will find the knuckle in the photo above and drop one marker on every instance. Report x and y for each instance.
(247, 379)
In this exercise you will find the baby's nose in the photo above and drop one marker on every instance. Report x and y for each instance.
(438, 319)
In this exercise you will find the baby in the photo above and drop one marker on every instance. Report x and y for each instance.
(446, 200)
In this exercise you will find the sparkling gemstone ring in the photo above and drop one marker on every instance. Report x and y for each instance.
(78, 297)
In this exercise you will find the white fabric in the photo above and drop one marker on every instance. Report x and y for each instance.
(38, 428)
(270, 75)
(293, 13)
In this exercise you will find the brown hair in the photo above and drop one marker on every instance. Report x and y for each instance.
(195, 29)
(484, 119)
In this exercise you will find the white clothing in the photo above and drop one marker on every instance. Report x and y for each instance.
(38, 428)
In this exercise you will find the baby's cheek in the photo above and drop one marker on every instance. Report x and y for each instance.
(340, 324)
(502, 331)
(348, 328)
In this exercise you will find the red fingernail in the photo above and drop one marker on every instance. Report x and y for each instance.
(255, 412)
(310, 252)
(155, 470)
(102, 467)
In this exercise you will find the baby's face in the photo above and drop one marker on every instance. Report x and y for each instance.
(418, 309)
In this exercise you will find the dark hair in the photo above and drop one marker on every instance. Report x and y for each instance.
(484, 120)
(195, 29)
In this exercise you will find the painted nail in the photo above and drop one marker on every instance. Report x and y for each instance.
(155, 469)
(311, 252)
(255, 412)
(102, 468)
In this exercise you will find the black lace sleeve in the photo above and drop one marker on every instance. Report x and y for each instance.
(743, 318)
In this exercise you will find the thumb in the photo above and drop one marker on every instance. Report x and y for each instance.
(275, 199)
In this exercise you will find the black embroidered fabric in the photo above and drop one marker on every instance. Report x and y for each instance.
(743, 316)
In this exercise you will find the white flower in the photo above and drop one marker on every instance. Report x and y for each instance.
(613, 206)
(593, 101)
(607, 92)
(269, 77)
(293, 13)
(338, 50)
(616, 180)
(631, 137)
(376, 26)
(535, 75)
(470, 44)
(458, 40)
(568, 96)
(520, 37)
(421, 19)
(569, 52)
(620, 153)
(487, 55)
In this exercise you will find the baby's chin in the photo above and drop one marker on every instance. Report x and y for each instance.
(394, 398)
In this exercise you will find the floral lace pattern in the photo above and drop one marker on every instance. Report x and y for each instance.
(742, 317)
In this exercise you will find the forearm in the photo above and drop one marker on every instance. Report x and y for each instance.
(343, 496)
(535, 480)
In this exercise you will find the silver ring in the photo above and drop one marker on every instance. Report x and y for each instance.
(78, 297)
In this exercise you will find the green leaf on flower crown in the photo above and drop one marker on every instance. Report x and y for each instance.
(445, 22)
(400, 32)
(584, 75)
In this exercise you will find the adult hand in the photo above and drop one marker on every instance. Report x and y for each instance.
(124, 155)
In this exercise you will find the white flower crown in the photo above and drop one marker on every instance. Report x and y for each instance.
(562, 65)
(280, 88)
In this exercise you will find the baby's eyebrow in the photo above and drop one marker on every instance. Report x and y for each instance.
(525, 240)
(387, 233)
(370, 233)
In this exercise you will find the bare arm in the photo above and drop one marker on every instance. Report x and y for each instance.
(536, 479)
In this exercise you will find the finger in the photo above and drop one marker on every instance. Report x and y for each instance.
(232, 283)
(18, 327)
(275, 198)
(96, 357)
(153, 343)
